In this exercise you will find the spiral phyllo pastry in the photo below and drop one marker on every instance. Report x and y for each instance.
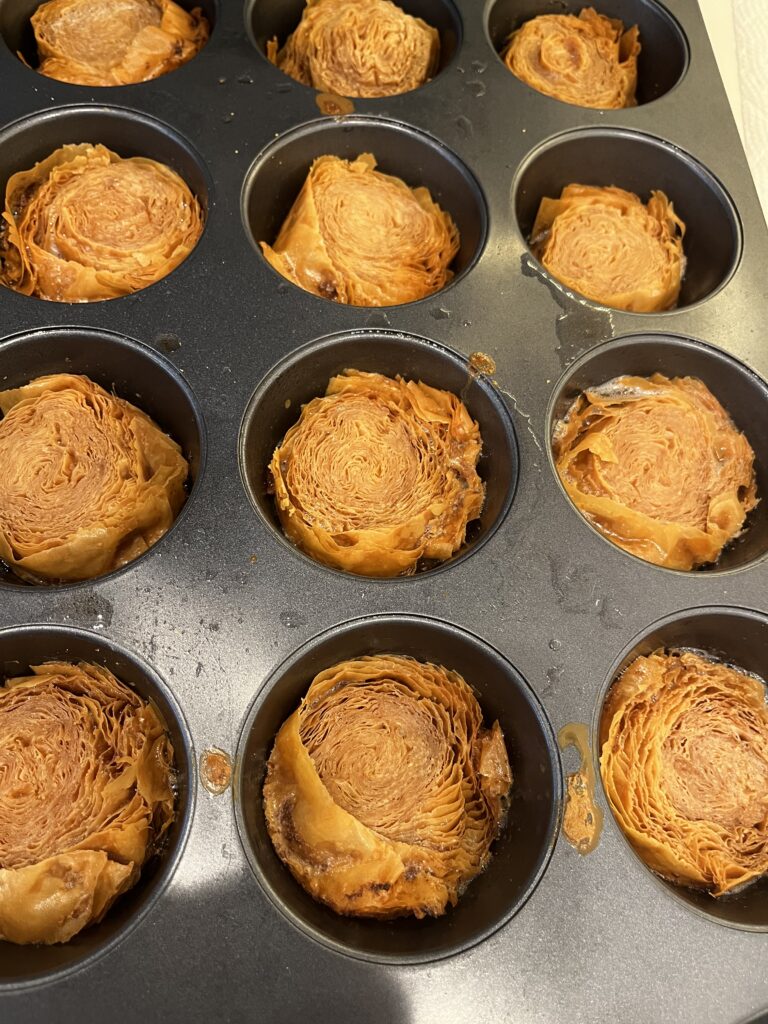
(384, 791)
(610, 246)
(85, 797)
(658, 467)
(365, 238)
(115, 42)
(685, 766)
(84, 225)
(89, 482)
(358, 48)
(588, 60)
(378, 475)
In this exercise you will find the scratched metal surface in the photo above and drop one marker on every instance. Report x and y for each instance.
(599, 939)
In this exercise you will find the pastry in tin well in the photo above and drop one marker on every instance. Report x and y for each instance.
(364, 238)
(115, 42)
(89, 482)
(384, 790)
(358, 48)
(657, 465)
(685, 766)
(86, 796)
(85, 224)
(610, 246)
(378, 475)
(589, 60)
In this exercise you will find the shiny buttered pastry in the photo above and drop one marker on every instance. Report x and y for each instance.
(589, 60)
(86, 797)
(685, 765)
(85, 224)
(384, 790)
(115, 42)
(89, 481)
(364, 238)
(364, 48)
(379, 475)
(658, 467)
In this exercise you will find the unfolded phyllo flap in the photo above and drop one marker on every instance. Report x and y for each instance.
(364, 238)
(384, 790)
(85, 797)
(115, 42)
(610, 246)
(378, 474)
(89, 481)
(589, 60)
(657, 465)
(685, 766)
(361, 48)
(85, 224)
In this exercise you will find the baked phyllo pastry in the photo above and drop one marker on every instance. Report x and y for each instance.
(85, 224)
(589, 60)
(89, 482)
(358, 48)
(611, 247)
(685, 766)
(378, 476)
(658, 467)
(384, 790)
(364, 238)
(86, 796)
(115, 42)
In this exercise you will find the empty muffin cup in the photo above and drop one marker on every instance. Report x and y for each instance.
(739, 638)
(738, 389)
(276, 177)
(16, 29)
(266, 20)
(275, 406)
(23, 646)
(664, 55)
(129, 369)
(640, 164)
(518, 857)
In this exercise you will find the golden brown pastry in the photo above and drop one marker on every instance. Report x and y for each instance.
(384, 791)
(379, 474)
(89, 482)
(685, 766)
(358, 48)
(84, 225)
(365, 238)
(85, 797)
(588, 60)
(610, 246)
(115, 42)
(658, 467)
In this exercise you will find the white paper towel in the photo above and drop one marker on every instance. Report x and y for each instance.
(738, 30)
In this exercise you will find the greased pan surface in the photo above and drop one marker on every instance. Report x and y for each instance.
(221, 604)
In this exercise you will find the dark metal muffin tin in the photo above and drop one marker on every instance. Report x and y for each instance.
(226, 614)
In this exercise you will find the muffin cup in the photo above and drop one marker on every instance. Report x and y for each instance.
(23, 646)
(303, 375)
(738, 389)
(276, 176)
(739, 637)
(130, 370)
(518, 857)
(639, 163)
(663, 59)
(126, 132)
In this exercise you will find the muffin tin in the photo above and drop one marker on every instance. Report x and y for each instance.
(222, 622)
